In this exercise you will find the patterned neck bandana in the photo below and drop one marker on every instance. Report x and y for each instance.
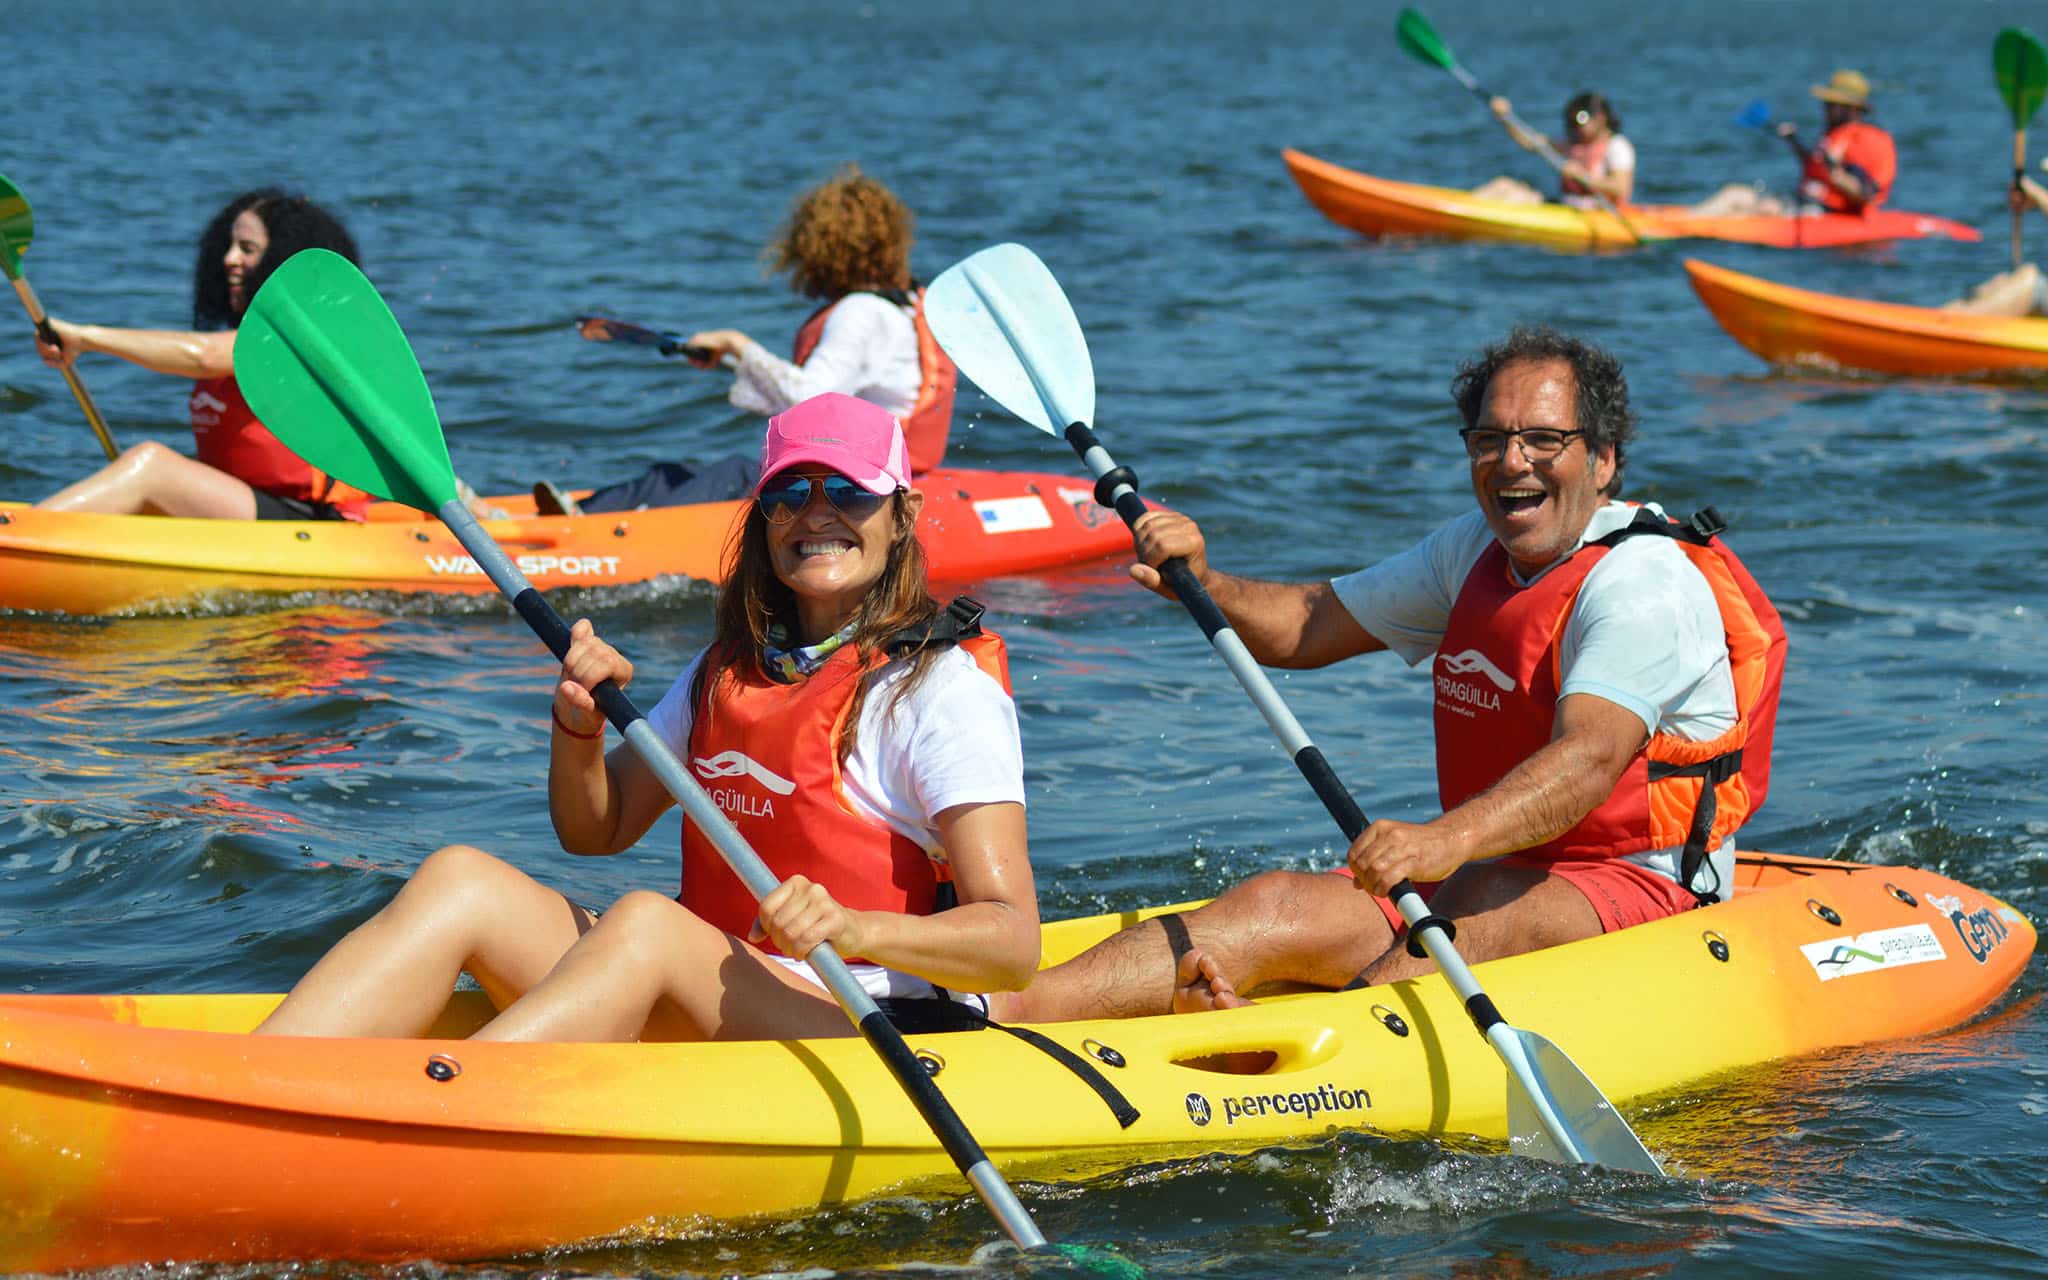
(799, 661)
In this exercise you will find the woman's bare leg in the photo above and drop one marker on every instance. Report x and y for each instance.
(462, 910)
(651, 968)
(150, 479)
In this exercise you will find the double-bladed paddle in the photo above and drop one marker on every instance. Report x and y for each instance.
(2021, 65)
(606, 329)
(321, 359)
(1414, 34)
(1005, 322)
(17, 229)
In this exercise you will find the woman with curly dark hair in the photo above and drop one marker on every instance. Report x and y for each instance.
(243, 471)
(847, 244)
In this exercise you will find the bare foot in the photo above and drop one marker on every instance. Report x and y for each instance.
(1200, 986)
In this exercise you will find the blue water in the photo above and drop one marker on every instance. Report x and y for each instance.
(203, 803)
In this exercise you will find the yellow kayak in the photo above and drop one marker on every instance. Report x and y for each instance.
(150, 1128)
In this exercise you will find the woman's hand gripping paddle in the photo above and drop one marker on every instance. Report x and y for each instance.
(320, 358)
(17, 229)
(2021, 65)
(1005, 322)
(1414, 34)
(606, 329)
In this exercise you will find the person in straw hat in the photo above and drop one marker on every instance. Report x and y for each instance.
(1849, 171)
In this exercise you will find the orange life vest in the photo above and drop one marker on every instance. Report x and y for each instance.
(1497, 683)
(230, 439)
(930, 419)
(1863, 149)
(768, 754)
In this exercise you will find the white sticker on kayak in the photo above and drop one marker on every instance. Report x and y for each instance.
(1013, 515)
(1879, 949)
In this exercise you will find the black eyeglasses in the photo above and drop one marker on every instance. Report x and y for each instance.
(782, 498)
(1539, 444)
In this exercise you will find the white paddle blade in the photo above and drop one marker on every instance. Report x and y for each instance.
(1003, 319)
(1602, 1135)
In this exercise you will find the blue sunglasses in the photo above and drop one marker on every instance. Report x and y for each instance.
(784, 497)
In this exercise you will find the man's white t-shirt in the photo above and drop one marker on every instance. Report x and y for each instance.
(868, 349)
(951, 740)
(1644, 634)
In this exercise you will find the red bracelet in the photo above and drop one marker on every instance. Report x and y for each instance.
(557, 717)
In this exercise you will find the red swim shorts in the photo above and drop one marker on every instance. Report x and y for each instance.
(1622, 892)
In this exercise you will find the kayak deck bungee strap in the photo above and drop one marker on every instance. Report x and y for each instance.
(921, 1016)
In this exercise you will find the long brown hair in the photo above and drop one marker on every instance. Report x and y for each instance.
(755, 608)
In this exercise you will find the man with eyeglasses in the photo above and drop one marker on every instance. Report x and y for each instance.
(1606, 683)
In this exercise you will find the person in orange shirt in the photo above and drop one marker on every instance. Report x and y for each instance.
(1852, 168)
(1849, 171)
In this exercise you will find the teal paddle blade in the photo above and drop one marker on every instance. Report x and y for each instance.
(1602, 1134)
(2021, 65)
(1414, 34)
(17, 227)
(1005, 321)
(323, 363)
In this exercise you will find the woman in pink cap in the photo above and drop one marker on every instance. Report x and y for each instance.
(861, 737)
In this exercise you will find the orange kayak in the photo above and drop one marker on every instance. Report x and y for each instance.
(151, 1128)
(1382, 207)
(976, 524)
(1798, 327)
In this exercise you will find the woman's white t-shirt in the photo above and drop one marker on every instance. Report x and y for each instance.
(868, 349)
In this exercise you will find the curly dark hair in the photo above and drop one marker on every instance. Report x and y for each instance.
(1601, 410)
(294, 223)
(846, 234)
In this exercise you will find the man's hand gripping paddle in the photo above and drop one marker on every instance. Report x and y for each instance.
(1005, 322)
(17, 229)
(321, 359)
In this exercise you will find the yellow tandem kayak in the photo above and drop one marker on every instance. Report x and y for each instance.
(137, 1128)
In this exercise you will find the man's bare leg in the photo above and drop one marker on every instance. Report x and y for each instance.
(1500, 911)
(1279, 926)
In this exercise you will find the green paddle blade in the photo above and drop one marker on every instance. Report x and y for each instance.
(2021, 65)
(17, 227)
(323, 363)
(1421, 41)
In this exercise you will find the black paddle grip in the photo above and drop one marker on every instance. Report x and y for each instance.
(1330, 790)
(931, 1104)
(1195, 596)
(531, 605)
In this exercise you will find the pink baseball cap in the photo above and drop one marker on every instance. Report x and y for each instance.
(859, 440)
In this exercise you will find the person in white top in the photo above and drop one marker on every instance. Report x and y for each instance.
(1599, 161)
(1568, 659)
(847, 244)
(861, 738)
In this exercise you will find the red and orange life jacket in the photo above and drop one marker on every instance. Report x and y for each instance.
(768, 754)
(1497, 680)
(931, 418)
(1590, 156)
(230, 439)
(1863, 149)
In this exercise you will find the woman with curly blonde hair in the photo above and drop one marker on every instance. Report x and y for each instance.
(847, 244)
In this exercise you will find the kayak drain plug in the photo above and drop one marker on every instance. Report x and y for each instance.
(931, 1062)
(1102, 1052)
(1392, 1021)
(1824, 911)
(443, 1068)
(1902, 895)
(1717, 946)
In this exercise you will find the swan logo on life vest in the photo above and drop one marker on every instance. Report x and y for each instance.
(737, 764)
(1470, 695)
(207, 408)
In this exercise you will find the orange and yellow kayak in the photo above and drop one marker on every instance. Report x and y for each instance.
(976, 524)
(152, 1128)
(1792, 326)
(1382, 207)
